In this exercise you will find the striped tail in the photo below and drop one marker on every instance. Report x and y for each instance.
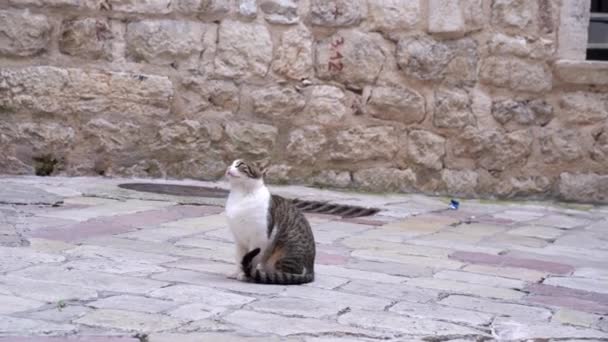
(277, 278)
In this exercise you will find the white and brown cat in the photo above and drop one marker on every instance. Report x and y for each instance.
(274, 241)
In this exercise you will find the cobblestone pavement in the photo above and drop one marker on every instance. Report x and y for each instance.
(83, 260)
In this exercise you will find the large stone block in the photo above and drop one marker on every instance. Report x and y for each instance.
(199, 94)
(365, 143)
(89, 38)
(519, 14)
(203, 7)
(394, 15)
(525, 112)
(351, 57)
(452, 108)
(384, 180)
(251, 139)
(244, 50)
(280, 11)
(165, 42)
(426, 149)
(589, 187)
(424, 58)
(327, 105)
(305, 144)
(48, 3)
(583, 108)
(70, 92)
(516, 74)
(446, 17)
(132, 6)
(335, 13)
(24, 34)
(396, 104)
(277, 102)
(560, 145)
(294, 54)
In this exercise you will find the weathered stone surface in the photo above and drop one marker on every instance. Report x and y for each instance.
(365, 143)
(583, 108)
(89, 280)
(335, 13)
(251, 139)
(509, 261)
(191, 312)
(12, 258)
(280, 11)
(203, 7)
(385, 179)
(520, 46)
(145, 6)
(495, 150)
(474, 278)
(12, 326)
(452, 109)
(295, 307)
(585, 284)
(441, 313)
(337, 299)
(517, 14)
(305, 143)
(43, 291)
(426, 149)
(537, 231)
(294, 54)
(331, 178)
(573, 317)
(582, 72)
(509, 329)
(466, 288)
(599, 151)
(277, 102)
(524, 312)
(86, 38)
(392, 291)
(351, 57)
(199, 94)
(24, 34)
(244, 50)
(394, 15)
(133, 303)
(460, 182)
(399, 323)
(526, 112)
(11, 304)
(423, 58)
(587, 188)
(516, 74)
(247, 8)
(285, 326)
(127, 320)
(164, 41)
(66, 92)
(560, 145)
(396, 104)
(208, 296)
(445, 17)
(327, 105)
(49, 3)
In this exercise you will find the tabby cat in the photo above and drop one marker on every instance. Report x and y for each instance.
(274, 241)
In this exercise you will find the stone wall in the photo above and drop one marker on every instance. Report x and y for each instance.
(460, 97)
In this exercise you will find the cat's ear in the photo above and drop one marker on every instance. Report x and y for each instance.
(262, 167)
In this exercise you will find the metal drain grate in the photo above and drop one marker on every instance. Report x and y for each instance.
(344, 211)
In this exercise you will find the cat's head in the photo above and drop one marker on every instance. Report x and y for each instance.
(243, 172)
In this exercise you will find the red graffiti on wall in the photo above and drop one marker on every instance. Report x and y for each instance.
(335, 58)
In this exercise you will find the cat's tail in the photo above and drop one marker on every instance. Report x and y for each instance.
(277, 277)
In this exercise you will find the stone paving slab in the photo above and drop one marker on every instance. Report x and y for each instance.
(93, 262)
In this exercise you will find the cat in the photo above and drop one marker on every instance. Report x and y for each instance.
(274, 241)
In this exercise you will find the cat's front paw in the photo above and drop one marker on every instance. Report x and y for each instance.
(238, 275)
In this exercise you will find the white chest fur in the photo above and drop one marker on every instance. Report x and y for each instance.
(247, 214)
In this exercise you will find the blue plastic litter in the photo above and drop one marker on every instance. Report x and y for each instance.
(454, 204)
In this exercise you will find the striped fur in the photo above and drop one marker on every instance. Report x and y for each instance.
(286, 254)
